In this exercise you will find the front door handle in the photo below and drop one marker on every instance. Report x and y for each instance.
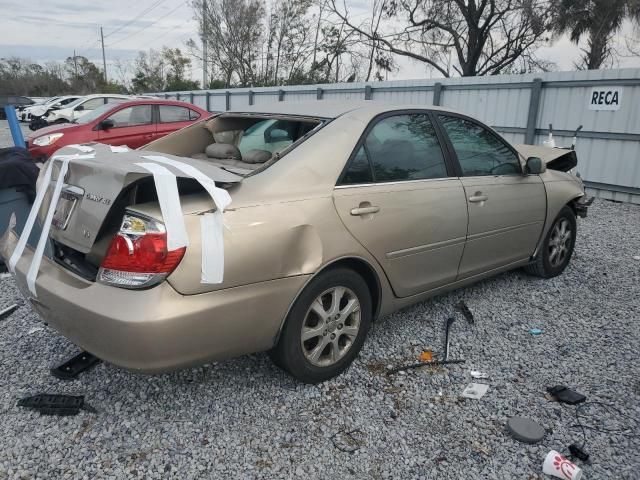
(478, 197)
(364, 210)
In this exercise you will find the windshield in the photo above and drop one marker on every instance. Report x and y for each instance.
(93, 114)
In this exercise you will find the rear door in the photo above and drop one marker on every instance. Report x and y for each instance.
(133, 127)
(399, 197)
(174, 117)
(507, 209)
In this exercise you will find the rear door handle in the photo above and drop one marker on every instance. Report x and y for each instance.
(478, 197)
(364, 210)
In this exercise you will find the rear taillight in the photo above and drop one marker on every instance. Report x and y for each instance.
(138, 256)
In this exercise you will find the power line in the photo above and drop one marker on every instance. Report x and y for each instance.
(147, 26)
(137, 17)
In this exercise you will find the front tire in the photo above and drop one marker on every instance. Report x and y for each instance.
(557, 248)
(326, 327)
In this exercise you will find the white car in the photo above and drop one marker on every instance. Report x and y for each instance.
(83, 105)
(54, 103)
(24, 113)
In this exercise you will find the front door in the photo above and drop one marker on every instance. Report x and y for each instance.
(507, 209)
(399, 201)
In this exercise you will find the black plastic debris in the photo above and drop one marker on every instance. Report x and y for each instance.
(56, 404)
(8, 311)
(75, 366)
(566, 395)
(462, 307)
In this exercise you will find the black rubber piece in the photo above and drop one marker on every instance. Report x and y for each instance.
(75, 366)
(55, 404)
(8, 311)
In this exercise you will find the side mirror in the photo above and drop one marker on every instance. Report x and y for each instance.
(79, 108)
(106, 124)
(535, 166)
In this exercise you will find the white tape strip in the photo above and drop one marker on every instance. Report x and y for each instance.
(31, 219)
(119, 149)
(37, 256)
(82, 148)
(220, 196)
(211, 234)
(211, 224)
(28, 227)
(169, 199)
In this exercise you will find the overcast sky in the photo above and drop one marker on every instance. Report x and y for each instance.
(50, 30)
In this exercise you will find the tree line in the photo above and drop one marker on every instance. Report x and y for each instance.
(291, 42)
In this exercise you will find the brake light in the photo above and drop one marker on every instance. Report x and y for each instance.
(138, 256)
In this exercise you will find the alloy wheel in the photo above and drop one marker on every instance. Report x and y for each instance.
(331, 326)
(560, 242)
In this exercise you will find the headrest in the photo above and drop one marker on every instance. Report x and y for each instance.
(223, 151)
(256, 156)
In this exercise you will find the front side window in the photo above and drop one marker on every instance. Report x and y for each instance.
(401, 147)
(479, 151)
(132, 116)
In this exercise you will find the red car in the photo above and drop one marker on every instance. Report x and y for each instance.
(133, 124)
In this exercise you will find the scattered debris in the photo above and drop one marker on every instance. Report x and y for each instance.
(636, 257)
(536, 331)
(346, 441)
(566, 395)
(35, 330)
(73, 367)
(447, 327)
(477, 374)
(426, 356)
(558, 466)
(475, 390)
(462, 307)
(56, 404)
(525, 430)
(8, 311)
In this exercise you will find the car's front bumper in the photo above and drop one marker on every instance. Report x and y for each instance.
(158, 329)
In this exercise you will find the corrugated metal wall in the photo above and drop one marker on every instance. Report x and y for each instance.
(521, 107)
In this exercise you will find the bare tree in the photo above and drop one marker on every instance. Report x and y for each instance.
(487, 37)
(233, 30)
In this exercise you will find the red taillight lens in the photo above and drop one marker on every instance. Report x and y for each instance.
(138, 256)
(147, 253)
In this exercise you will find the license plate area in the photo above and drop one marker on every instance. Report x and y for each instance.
(66, 204)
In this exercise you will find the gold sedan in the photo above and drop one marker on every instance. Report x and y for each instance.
(339, 214)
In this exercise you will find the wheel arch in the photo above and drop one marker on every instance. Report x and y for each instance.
(358, 264)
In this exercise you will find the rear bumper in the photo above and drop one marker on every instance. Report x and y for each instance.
(156, 330)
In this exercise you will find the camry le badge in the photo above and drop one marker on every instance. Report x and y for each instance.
(96, 198)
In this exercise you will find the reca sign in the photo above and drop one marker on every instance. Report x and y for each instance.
(605, 98)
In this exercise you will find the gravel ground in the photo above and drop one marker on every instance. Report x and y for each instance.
(244, 418)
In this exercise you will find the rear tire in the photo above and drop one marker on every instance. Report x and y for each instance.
(326, 327)
(557, 247)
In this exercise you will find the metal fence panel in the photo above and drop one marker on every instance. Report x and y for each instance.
(520, 107)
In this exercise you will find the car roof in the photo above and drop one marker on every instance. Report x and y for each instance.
(158, 101)
(328, 109)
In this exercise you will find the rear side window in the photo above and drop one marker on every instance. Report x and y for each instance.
(170, 113)
(401, 147)
(131, 116)
(479, 151)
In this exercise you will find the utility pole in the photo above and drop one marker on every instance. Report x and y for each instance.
(205, 72)
(104, 59)
(75, 64)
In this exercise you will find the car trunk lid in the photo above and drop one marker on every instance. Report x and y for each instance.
(102, 187)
